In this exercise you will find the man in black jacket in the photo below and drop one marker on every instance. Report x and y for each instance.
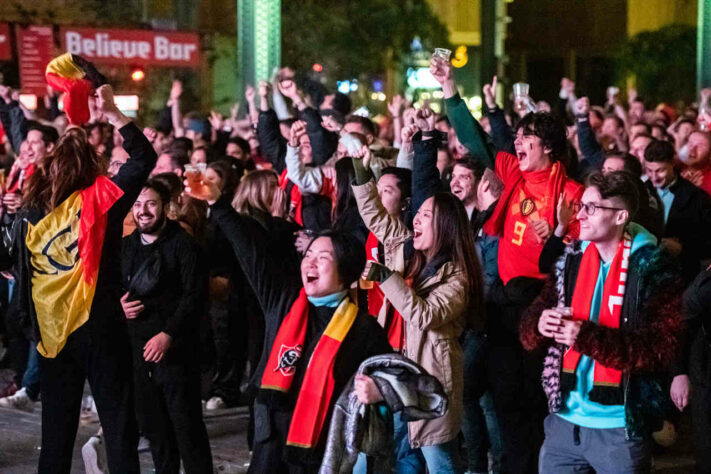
(687, 209)
(164, 282)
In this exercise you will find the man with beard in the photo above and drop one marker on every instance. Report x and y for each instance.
(164, 283)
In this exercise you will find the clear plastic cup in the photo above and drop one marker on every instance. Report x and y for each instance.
(442, 53)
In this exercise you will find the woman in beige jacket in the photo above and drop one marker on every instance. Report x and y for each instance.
(433, 290)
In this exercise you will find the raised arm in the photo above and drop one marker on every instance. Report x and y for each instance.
(308, 179)
(13, 119)
(501, 133)
(271, 142)
(593, 155)
(468, 130)
(141, 155)
(376, 218)
(174, 103)
(270, 278)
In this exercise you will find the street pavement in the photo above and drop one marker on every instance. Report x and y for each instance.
(20, 441)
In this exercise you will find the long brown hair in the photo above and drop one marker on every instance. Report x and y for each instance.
(453, 241)
(73, 165)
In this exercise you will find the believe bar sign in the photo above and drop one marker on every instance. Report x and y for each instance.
(135, 47)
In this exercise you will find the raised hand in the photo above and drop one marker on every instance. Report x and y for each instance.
(395, 106)
(424, 119)
(264, 88)
(330, 124)
(567, 85)
(490, 93)
(216, 120)
(407, 134)
(176, 90)
(582, 106)
(249, 94)
(565, 212)
(298, 129)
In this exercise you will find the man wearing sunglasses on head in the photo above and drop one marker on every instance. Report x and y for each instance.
(609, 315)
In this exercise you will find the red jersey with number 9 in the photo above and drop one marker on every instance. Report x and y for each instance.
(533, 198)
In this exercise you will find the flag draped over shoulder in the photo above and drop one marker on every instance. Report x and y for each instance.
(76, 77)
(65, 253)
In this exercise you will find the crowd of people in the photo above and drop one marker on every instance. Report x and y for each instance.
(417, 292)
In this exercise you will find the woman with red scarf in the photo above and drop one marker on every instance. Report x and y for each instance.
(315, 336)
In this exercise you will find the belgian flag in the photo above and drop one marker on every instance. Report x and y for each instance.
(76, 77)
(65, 253)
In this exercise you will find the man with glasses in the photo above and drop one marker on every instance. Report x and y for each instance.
(610, 318)
(535, 181)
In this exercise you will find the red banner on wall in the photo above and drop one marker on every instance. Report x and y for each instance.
(35, 49)
(5, 52)
(139, 47)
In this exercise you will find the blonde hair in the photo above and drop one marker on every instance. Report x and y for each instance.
(259, 191)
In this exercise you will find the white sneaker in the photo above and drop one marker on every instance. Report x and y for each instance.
(18, 401)
(94, 455)
(215, 403)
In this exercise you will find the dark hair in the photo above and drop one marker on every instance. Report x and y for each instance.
(453, 241)
(349, 253)
(404, 179)
(182, 143)
(659, 151)
(73, 165)
(288, 122)
(496, 185)
(345, 198)
(242, 143)
(49, 134)
(229, 176)
(618, 121)
(364, 122)
(597, 113)
(618, 184)
(443, 118)
(341, 103)
(178, 158)
(647, 130)
(471, 163)
(171, 181)
(160, 188)
(630, 162)
(549, 128)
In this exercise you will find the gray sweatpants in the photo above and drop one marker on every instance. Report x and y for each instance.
(569, 448)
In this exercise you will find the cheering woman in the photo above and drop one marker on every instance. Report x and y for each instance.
(315, 336)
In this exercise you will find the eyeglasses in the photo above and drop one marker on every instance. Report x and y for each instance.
(591, 207)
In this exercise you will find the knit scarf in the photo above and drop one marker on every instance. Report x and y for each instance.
(606, 387)
(317, 388)
(556, 183)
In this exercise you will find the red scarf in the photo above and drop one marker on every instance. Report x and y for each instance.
(294, 197)
(556, 184)
(394, 324)
(317, 388)
(606, 386)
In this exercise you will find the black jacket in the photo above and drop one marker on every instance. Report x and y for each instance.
(689, 221)
(177, 288)
(106, 309)
(695, 347)
(277, 283)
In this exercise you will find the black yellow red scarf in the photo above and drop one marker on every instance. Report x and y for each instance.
(606, 387)
(317, 388)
